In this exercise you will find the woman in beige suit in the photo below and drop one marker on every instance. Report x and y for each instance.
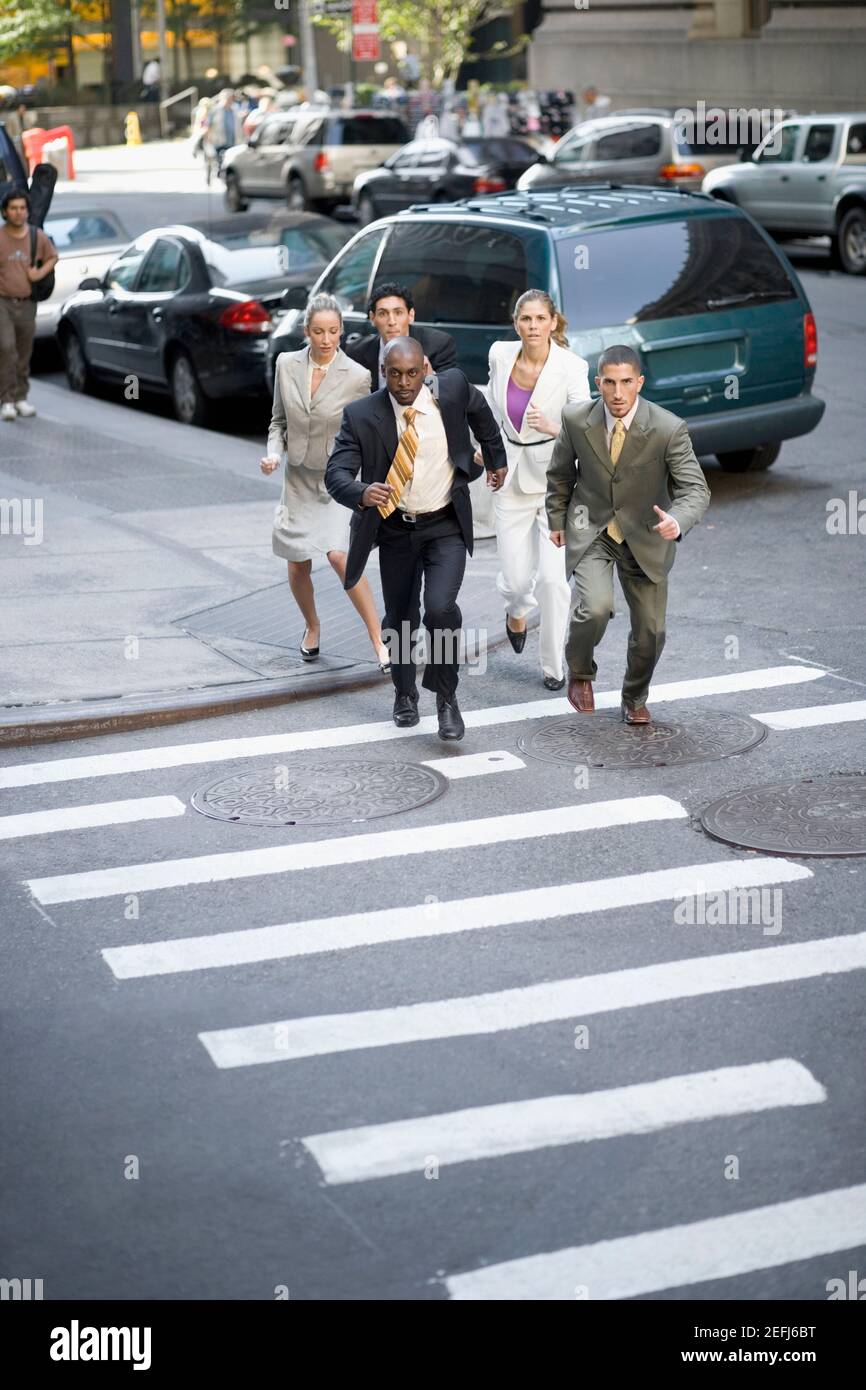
(531, 380)
(311, 387)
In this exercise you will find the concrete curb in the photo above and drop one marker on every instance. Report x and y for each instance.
(37, 724)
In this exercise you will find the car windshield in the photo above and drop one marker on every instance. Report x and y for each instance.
(663, 270)
(82, 229)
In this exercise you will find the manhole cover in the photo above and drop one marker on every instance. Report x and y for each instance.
(825, 816)
(319, 793)
(603, 740)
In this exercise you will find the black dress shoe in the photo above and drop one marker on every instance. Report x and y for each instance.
(451, 724)
(551, 682)
(406, 710)
(517, 639)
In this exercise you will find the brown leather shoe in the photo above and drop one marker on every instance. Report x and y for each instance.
(580, 695)
(636, 716)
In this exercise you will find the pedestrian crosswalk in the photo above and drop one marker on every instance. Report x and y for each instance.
(655, 1256)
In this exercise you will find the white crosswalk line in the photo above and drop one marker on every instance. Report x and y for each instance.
(315, 1036)
(491, 1131)
(85, 817)
(813, 715)
(678, 1256)
(264, 745)
(475, 764)
(353, 849)
(342, 933)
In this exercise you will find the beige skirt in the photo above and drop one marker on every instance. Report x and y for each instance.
(308, 522)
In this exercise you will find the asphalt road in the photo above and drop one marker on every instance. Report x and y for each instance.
(155, 1123)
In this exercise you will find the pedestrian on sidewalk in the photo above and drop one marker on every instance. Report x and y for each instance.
(616, 465)
(27, 256)
(531, 382)
(391, 310)
(311, 387)
(416, 461)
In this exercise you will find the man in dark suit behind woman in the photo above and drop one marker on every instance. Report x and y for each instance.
(416, 460)
(392, 314)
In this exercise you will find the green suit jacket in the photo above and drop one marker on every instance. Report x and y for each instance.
(657, 465)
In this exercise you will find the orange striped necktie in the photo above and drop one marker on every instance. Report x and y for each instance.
(403, 464)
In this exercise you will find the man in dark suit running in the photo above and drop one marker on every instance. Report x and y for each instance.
(392, 314)
(416, 461)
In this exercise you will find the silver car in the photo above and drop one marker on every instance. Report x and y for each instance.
(310, 158)
(630, 147)
(807, 178)
(87, 241)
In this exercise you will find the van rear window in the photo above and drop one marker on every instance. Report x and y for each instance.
(665, 270)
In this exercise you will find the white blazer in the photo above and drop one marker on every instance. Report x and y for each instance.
(564, 380)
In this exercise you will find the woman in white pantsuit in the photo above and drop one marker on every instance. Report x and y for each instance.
(530, 383)
(311, 387)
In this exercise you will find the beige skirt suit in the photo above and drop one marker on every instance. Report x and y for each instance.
(308, 522)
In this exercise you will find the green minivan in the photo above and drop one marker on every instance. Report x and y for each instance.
(722, 322)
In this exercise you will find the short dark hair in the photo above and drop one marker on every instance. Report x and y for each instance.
(385, 290)
(10, 197)
(619, 356)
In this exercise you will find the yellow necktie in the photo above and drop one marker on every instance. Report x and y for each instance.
(617, 440)
(403, 464)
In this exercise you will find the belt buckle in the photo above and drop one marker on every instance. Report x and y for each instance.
(411, 517)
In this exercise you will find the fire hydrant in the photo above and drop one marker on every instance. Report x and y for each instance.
(132, 128)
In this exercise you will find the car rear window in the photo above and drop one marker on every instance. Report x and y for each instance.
(637, 142)
(664, 270)
(462, 272)
(496, 152)
(855, 149)
(368, 130)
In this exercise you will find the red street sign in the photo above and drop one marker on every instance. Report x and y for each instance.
(365, 12)
(366, 48)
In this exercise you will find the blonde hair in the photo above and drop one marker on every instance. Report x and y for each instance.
(560, 323)
(322, 304)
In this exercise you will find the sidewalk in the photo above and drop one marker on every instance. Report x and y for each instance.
(139, 584)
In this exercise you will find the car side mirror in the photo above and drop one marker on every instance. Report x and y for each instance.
(91, 282)
(295, 297)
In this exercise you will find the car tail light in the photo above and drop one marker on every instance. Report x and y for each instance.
(810, 341)
(489, 183)
(247, 316)
(682, 171)
(321, 162)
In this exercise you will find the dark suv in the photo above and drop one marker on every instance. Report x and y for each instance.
(724, 326)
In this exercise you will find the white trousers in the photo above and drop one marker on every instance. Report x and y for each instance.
(533, 571)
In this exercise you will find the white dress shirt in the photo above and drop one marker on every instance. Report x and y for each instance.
(610, 421)
(429, 488)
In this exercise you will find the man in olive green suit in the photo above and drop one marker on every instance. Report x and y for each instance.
(617, 465)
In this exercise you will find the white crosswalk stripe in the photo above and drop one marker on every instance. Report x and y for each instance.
(353, 849)
(289, 939)
(678, 1256)
(86, 817)
(490, 1131)
(810, 717)
(353, 735)
(288, 1040)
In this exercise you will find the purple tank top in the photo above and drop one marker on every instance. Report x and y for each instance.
(517, 399)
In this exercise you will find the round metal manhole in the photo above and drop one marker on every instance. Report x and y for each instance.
(603, 740)
(319, 793)
(824, 816)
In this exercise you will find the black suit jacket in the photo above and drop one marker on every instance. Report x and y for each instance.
(440, 348)
(367, 443)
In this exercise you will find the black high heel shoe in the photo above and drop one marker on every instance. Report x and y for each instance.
(517, 639)
(308, 653)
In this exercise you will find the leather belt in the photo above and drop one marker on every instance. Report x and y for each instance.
(413, 518)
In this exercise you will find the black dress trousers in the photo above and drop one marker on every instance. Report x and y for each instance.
(434, 552)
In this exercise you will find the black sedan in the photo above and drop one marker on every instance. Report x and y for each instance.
(428, 171)
(188, 309)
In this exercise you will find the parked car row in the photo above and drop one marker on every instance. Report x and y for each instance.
(719, 315)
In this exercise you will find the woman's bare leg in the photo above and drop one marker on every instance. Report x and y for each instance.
(362, 597)
(301, 585)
